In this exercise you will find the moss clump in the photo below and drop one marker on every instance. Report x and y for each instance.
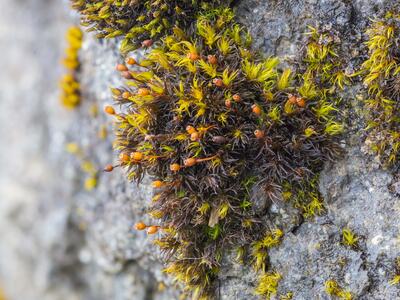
(396, 276)
(70, 88)
(210, 119)
(349, 238)
(333, 288)
(139, 21)
(268, 285)
(382, 78)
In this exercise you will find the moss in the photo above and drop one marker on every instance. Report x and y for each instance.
(396, 276)
(87, 166)
(137, 21)
(268, 285)
(211, 119)
(381, 77)
(287, 296)
(333, 288)
(70, 88)
(349, 238)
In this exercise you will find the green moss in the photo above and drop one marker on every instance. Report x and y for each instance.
(210, 119)
(333, 288)
(396, 276)
(139, 20)
(381, 77)
(268, 285)
(349, 238)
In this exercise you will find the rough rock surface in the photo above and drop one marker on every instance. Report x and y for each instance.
(58, 241)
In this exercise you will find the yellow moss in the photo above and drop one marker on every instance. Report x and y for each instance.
(268, 284)
(90, 183)
(332, 288)
(70, 88)
(349, 238)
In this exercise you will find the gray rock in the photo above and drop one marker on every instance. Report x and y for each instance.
(58, 241)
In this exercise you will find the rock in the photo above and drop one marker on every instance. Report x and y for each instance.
(59, 241)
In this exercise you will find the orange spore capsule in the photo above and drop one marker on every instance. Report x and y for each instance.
(193, 56)
(218, 82)
(121, 68)
(158, 184)
(143, 92)
(175, 167)
(292, 99)
(124, 157)
(194, 136)
(126, 95)
(236, 98)
(212, 59)
(109, 110)
(259, 134)
(301, 102)
(137, 156)
(190, 162)
(256, 109)
(108, 168)
(131, 61)
(152, 229)
(228, 103)
(190, 129)
(140, 226)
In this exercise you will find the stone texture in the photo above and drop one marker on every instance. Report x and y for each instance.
(58, 241)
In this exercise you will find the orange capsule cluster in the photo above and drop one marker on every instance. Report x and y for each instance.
(151, 229)
(133, 157)
(194, 134)
(295, 100)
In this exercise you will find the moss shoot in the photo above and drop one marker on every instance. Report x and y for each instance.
(70, 88)
(382, 78)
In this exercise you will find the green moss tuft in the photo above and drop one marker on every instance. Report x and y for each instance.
(334, 289)
(139, 22)
(349, 238)
(211, 120)
(381, 77)
(268, 285)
